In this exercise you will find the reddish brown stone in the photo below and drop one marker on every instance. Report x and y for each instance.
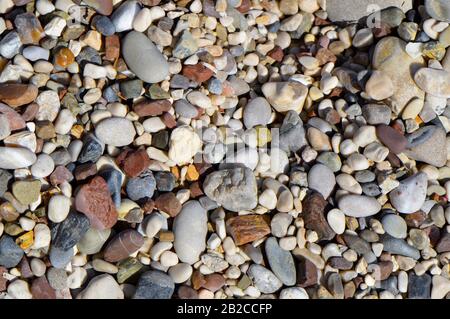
(186, 292)
(3, 280)
(84, 171)
(39, 145)
(148, 206)
(195, 190)
(332, 116)
(306, 273)
(16, 94)
(245, 6)
(40, 289)
(112, 47)
(443, 244)
(169, 120)
(151, 108)
(415, 219)
(214, 282)
(197, 72)
(104, 7)
(15, 120)
(30, 112)
(123, 245)
(247, 228)
(168, 203)
(94, 200)
(60, 175)
(394, 160)
(314, 216)
(134, 163)
(276, 53)
(390, 137)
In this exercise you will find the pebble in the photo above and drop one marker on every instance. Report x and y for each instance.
(102, 287)
(143, 58)
(433, 81)
(419, 287)
(410, 195)
(292, 133)
(10, 253)
(15, 94)
(351, 205)
(122, 245)
(428, 145)
(285, 96)
(234, 189)
(264, 279)
(281, 262)
(184, 144)
(438, 9)
(321, 179)
(115, 131)
(257, 112)
(190, 228)
(336, 220)
(395, 226)
(58, 208)
(399, 247)
(93, 241)
(314, 216)
(154, 284)
(94, 200)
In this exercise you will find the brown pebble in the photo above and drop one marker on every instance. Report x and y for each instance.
(340, 263)
(197, 280)
(168, 203)
(390, 137)
(169, 120)
(197, 72)
(45, 130)
(306, 273)
(313, 214)
(3, 280)
(195, 190)
(276, 53)
(60, 175)
(123, 245)
(15, 120)
(415, 219)
(186, 292)
(151, 108)
(214, 282)
(247, 228)
(134, 162)
(30, 112)
(94, 200)
(16, 94)
(84, 171)
(41, 289)
(112, 47)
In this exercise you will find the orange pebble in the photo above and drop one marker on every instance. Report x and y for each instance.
(64, 57)
(192, 173)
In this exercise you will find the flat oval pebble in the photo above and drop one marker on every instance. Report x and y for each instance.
(115, 131)
(190, 230)
(359, 206)
(143, 58)
(16, 157)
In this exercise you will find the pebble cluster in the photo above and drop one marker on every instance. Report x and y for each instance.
(292, 149)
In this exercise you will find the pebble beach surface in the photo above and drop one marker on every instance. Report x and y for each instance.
(200, 149)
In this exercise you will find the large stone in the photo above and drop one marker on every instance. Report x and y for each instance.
(247, 228)
(190, 229)
(67, 234)
(438, 9)
(390, 57)
(314, 216)
(264, 279)
(359, 206)
(10, 253)
(235, 189)
(321, 179)
(433, 81)
(144, 58)
(353, 10)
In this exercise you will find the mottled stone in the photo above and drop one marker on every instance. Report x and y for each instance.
(123, 245)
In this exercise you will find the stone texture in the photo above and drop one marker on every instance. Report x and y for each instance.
(122, 245)
(247, 228)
